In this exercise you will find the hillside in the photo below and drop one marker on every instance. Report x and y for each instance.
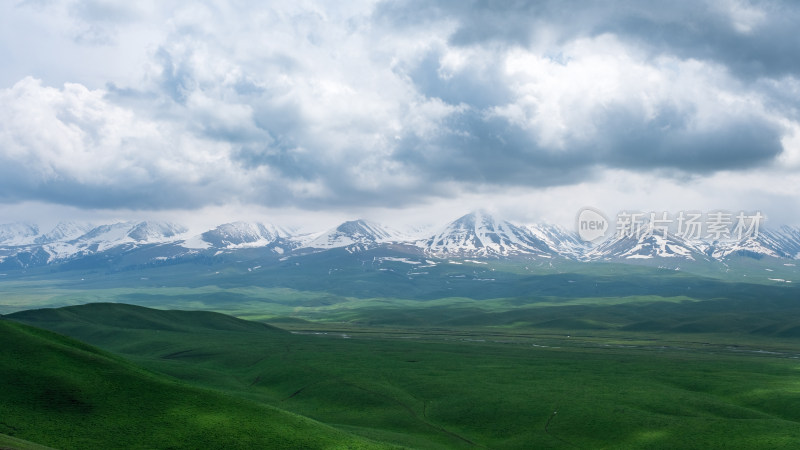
(117, 315)
(62, 393)
(463, 386)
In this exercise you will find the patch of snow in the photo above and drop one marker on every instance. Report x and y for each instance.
(195, 243)
(402, 260)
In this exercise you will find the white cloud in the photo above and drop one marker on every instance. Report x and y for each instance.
(314, 105)
(73, 138)
(564, 100)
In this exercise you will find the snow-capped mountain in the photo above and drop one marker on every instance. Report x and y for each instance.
(105, 237)
(61, 243)
(155, 231)
(475, 235)
(783, 242)
(64, 231)
(243, 234)
(565, 242)
(13, 234)
(479, 234)
(355, 234)
(647, 246)
(788, 240)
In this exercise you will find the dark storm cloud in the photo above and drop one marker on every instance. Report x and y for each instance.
(484, 150)
(481, 149)
(668, 141)
(766, 51)
(688, 29)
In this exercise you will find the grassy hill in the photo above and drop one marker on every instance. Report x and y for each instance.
(12, 443)
(123, 316)
(60, 392)
(470, 387)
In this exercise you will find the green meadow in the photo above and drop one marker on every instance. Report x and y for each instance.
(463, 387)
(63, 393)
(344, 351)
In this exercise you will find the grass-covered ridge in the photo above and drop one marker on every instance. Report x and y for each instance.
(115, 315)
(62, 393)
(470, 386)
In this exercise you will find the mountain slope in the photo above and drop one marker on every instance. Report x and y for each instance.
(359, 234)
(478, 234)
(155, 231)
(106, 237)
(64, 231)
(70, 241)
(15, 234)
(243, 234)
(563, 241)
(62, 393)
(783, 242)
(647, 246)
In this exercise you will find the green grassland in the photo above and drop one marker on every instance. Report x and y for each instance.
(472, 386)
(63, 393)
(439, 354)
(9, 442)
(336, 285)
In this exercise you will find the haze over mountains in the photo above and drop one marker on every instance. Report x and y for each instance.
(475, 235)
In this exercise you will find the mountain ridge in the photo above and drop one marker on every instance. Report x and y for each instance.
(477, 234)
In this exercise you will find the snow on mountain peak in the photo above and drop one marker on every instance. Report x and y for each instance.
(243, 234)
(480, 234)
(64, 231)
(566, 242)
(155, 231)
(647, 246)
(783, 242)
(352, 232)
(69, 239)
(474, 235)
(14, 234)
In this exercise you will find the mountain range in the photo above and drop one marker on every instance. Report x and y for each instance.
(476, 235)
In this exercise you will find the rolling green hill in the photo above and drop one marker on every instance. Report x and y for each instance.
(116, 315)
(473, 387)
(12, 443)
(60, 392)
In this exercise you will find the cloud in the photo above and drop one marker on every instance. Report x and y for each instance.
(72, 146)
(599, 104)
(392, 103)
(752, 38)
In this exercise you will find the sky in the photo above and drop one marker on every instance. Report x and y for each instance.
(306, 113)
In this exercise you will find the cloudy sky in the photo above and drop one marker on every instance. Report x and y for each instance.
(305, 111)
